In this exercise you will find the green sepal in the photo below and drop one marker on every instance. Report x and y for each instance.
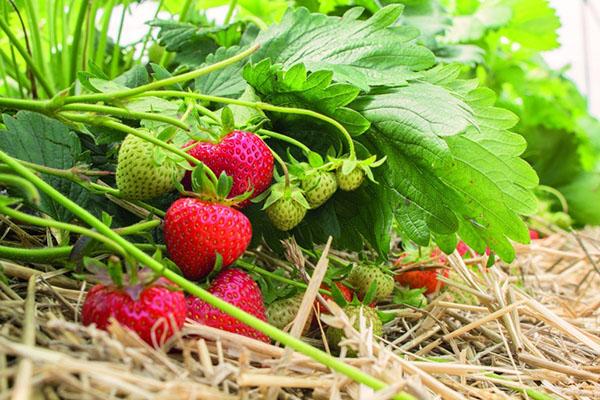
(227, 120)
(224, 185)
(337, 295)
(371, 292)
(386, 317)
(115, 270)
(314, 159)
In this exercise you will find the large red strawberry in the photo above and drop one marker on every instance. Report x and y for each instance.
(426, 278)
(235, 287)
(241, 155)
(150, 313)
(195, 231)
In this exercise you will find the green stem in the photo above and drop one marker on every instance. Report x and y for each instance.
(137, 228)
(50, 223)
(161, 83)
(50, 254)
(114, 61)
(122, 112)
(101, 49)
(255, 268)
(205, 111)
(76, 40)
(564, 204)
(285, 138)
(284, 168)
(250, 320)
(127, 129)
(149, 34)
(232, 5)
(90, 33)
(28, 60)
(36, 41)
(531, 393)
(30, 191)
(261, 106)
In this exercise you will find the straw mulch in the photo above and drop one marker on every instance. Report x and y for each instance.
(526, 330)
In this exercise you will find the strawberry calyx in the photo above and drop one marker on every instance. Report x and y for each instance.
(207, 187)
(134, 282)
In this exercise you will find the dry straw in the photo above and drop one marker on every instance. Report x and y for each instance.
(526, 330)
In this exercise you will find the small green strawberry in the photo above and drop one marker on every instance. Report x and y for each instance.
(351, 173)
(350, 181)
(354, 311)
(281, 313)
(144, 171)
(363, 276)
(318, 187)
(285, 206)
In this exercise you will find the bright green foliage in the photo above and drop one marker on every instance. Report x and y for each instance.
(294, 88)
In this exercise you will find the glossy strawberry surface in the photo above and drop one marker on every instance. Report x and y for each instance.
(156, 313)
(235, 287)
(241, 155)
(195, 231)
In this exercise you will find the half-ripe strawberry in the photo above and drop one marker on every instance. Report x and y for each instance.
(241, 155)
(235, 287)
(195, 231)
(427, 278)
(154, 314)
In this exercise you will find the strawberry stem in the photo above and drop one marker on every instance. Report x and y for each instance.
(50, 223)
(109, 123)
(260, 106)
(283, 166)
(48, 254)
(146, 260)
(255, 268)
(285, 138)
(111, 96)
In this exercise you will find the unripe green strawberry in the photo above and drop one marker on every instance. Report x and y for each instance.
(285, 214)
(139, 176)
(351, 181)
(282, 312)
(362, 276)
(335, 335)
(319, 187)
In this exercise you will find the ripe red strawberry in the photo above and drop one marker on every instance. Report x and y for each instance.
(152, 313)
(241, 155)
(195, 231)
(345, 290)
(533, 234)
(423, 279)
(235, 287)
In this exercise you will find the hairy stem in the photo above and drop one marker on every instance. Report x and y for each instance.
(95, 97)
(261, 106)
(284, 138)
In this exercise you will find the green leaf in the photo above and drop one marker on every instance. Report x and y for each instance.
(362, 53)
(41, 140)
(194, 41)
(583, 197)
(534, 24)
(294, 88)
